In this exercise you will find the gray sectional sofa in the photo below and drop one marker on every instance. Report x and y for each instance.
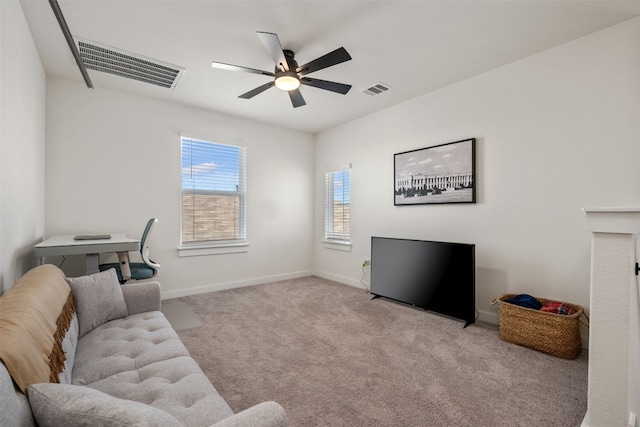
(123, 362)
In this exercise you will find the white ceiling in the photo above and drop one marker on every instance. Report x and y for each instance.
(415, 47)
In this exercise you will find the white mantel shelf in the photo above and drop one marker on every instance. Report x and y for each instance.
(613, 220)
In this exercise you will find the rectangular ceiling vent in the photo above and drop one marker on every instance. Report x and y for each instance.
(129, 65)
(376, 89)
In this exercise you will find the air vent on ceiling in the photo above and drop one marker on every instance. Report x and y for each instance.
(376, 89)
(129, 65)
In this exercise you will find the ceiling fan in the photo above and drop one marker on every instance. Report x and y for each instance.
(288, 76)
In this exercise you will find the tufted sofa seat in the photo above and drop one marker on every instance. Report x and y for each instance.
(141, 358)
(131, 369)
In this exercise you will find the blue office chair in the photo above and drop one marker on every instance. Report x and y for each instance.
(139, 270)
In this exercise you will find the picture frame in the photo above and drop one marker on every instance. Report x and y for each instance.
(441, 174)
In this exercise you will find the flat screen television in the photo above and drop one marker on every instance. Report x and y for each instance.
(435, 276)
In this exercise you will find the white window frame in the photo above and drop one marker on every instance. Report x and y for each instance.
(333, 239)
(213, 247)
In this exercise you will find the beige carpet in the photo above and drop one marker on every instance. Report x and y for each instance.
(333, 357)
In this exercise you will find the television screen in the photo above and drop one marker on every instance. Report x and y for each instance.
(435, 276)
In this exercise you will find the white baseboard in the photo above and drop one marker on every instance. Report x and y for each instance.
(485, 316)
(585, 420)
(341, 279)
(232, 285)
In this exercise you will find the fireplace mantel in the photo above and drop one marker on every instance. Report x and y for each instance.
(613, 396)
(613, 220)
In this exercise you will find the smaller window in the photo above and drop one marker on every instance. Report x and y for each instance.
(337, 214)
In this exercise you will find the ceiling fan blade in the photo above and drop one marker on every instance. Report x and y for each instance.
(326, 85)
(271, 42)
(332, 58)
(296, 98)
(230, 67)
(257, 90)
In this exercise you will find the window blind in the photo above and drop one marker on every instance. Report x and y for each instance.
(213, 193)
(337, 216)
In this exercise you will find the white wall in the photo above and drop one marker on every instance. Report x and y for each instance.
(22, 127)
(556, 132)
(113, 161)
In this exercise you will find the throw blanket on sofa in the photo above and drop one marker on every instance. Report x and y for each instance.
(35, 315)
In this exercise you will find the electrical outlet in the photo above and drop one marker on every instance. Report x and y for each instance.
(366, 263)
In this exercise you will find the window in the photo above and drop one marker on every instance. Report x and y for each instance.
(337, 214)
(213, 194)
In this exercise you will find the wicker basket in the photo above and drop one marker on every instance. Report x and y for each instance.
(555, 334)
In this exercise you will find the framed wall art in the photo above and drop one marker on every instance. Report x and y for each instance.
(436, 175)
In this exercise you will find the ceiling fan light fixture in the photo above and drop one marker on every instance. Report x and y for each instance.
(287, 75)
(288, 81)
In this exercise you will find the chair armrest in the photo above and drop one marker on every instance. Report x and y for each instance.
(141, 297)
(265, 414)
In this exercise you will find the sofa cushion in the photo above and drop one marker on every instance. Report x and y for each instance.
(141, 358)
(63, 404)
(98, 299)
(125, 345)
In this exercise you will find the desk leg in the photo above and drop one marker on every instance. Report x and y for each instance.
(93, 262)
(125, 269)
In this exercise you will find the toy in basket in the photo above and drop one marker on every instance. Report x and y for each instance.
(549, 332)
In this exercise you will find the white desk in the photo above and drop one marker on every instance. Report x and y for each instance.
(91, 249)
